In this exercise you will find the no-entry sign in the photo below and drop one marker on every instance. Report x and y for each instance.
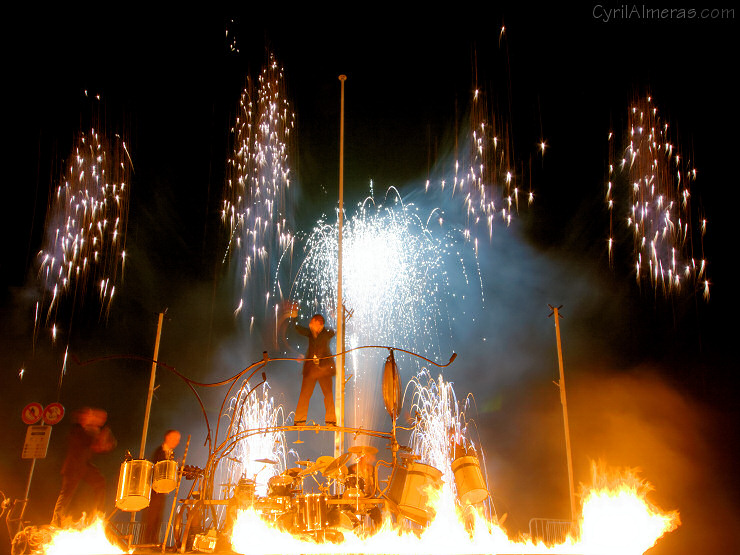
(32, 413)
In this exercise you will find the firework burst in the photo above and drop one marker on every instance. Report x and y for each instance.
(668, 250)
(85, 228)
(397, 274)
(258, 192)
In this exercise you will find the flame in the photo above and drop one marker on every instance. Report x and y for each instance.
(90, 540)
(616, 518)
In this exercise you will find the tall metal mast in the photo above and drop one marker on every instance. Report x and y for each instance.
(338, 435)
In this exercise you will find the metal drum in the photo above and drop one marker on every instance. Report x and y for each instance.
(245, 490)
(354, 487)
(409, 490)
(270, 506)
(471, 488)
(164, 479)
(134, 485)
(313, 513)
(280, 485)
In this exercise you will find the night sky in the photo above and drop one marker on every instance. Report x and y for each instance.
(651, 380)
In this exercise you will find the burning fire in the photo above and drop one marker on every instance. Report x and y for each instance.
(81, 541)
(616, 518)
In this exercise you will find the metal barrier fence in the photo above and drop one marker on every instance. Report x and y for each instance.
(126, 529)
(549, 530)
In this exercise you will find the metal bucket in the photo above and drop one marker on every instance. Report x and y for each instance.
(471, 488)
(164, 479)
(409, 490)
(134, 485)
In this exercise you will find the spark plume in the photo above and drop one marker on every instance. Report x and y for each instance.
(397, 273)
(258, 195)
(668, 252)
(85, 229)
(251, 413)
(441, 425)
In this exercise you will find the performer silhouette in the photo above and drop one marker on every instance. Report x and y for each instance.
(318, 366)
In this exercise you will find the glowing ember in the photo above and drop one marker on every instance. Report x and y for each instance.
(617, 519)
(85, 541)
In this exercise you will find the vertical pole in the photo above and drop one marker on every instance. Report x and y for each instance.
(563, 401)
(151, 387)
(28, 483)
(174, 501)
(338, 435)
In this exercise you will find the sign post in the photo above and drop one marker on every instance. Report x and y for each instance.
(38, 436)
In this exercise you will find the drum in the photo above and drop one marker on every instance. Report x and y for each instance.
(272, 505)
(312, 512)
(471, 488)
(134, 485)
(342, 518)
(245, 490)
(280, 485)
(164, 478)
(409, 490)
(354, 487)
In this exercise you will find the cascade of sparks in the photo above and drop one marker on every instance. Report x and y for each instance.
(484, 178)
(251, 412)
(668, 250)
(396, 281)
(441, 425)
(85, 229)
(258, 194)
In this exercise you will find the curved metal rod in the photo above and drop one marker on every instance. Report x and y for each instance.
(211, 440)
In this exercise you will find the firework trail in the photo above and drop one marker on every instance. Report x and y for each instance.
(397, 272)
(85, 229)
(258, 192)
(253, 410)
(659, 215)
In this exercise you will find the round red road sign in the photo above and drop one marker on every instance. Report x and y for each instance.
(53, 413)
(32, 413)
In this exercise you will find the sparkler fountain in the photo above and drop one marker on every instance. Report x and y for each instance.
(249, 411)
(398, 266)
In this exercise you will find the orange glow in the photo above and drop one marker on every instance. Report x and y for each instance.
(616, 518)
